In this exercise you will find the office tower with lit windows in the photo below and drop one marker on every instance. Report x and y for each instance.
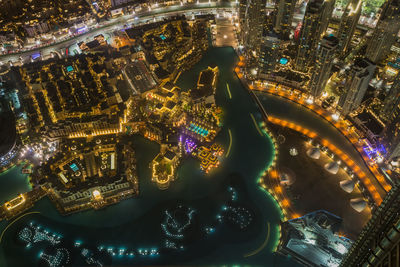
(385, 33)
(379, 241)
(391, 102)
(242, 18)
(252, 21)
(348, 25)
(284, 10)
(269, 21)
(269, 53)
(309, 35)
(323, 65)
(391, 138)
(327, 9)
(356, 85)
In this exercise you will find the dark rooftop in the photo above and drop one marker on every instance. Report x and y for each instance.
(93, 44)
(7, 129)
(169, 155)
(170, 104)
(161, 73)
(206, 77)
(140, 76)
(370, 122)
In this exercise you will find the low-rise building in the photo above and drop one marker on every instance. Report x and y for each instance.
(90, 173)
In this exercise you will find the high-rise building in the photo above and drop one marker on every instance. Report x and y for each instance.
(348, 24)
(391, 138)
(252, 19)
(269, 53)
(327, 9)
(379, 241)
(385, 33)
(391, 101)
(356, 85)
(242, 19)
(117, 3)
(284, 10)
(37, 28)
(269, 21)
(323, 65)
(309, 35)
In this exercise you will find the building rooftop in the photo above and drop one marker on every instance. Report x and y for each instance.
(170, 155)
(7, 130)
(312, 239)
(370, 122)
(140, 76)
(161, 73)
(206, 77)
(170, 105)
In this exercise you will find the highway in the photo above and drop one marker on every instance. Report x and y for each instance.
(121, 22)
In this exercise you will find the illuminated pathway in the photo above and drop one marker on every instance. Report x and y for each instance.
(230, 143)
(23, 215)
(229, 91)
(262, 246)
(255, 124)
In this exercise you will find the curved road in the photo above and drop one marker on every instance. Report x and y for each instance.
(119, 23)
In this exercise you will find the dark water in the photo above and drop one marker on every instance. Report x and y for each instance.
(13, 183)
(135, 223)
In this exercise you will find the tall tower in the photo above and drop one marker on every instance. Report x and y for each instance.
(309, 35)
(391, 138)
(269, 53)
(252, 19)
(324, 60)
(327, 9)
(348, 24)
(356, 85)
(386, 31)
(379, 241)
(242, 19)
(391, 101)
(284, 10)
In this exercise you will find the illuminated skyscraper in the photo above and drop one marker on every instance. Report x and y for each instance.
(323, 65)
(379, 241)
(327, 9)
(348, 24)
(356, 85)
(242, 18)
(283, 17)
(385, 33)
(392, 101)
(252, 21)
(309, 35)
(391, 138)
(269, 53)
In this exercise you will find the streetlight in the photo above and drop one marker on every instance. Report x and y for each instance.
(309, 100)
(335, 116)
